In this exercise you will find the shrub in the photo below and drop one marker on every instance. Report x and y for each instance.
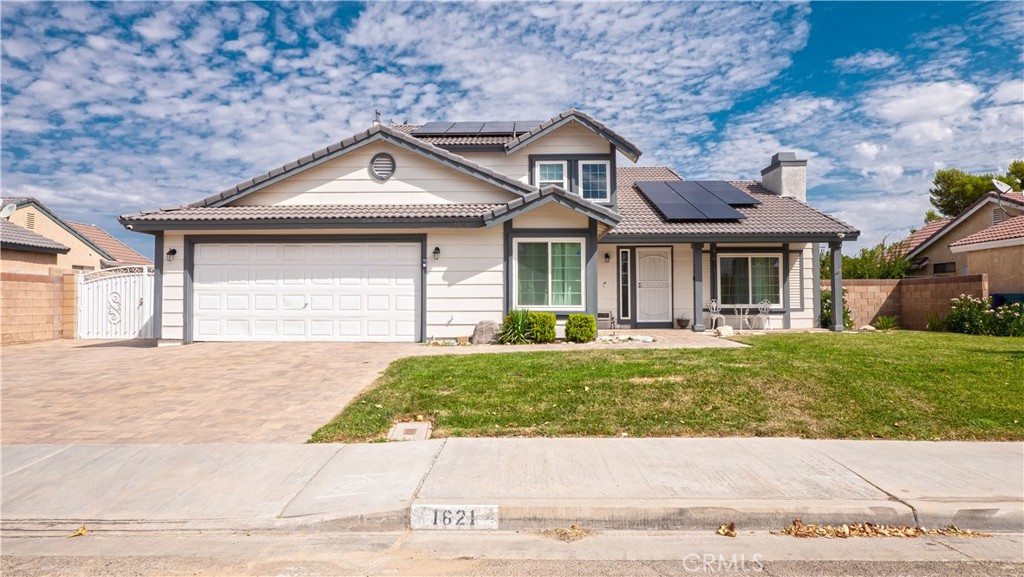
(825, 320)
(515, 330)
(885, 323)
(1009, 320)
(935, 323)
(970, 315)
(581, 328)
(542, 327)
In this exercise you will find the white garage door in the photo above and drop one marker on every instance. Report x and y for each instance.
(366, 292)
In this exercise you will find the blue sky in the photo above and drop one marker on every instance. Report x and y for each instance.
(112, 108)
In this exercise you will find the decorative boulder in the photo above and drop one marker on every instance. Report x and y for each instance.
(485, 332)
(724, 331)
(868, 328)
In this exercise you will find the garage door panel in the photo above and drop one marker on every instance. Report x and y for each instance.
(316, 291)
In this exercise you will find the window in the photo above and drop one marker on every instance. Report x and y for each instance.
(549, 173)
(748, 280)
(595, 183)
(624, 287)
(943, 267)
(549, 274)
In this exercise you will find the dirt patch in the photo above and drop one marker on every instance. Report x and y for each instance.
(573, 533)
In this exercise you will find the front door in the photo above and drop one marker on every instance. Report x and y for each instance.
(654, 285)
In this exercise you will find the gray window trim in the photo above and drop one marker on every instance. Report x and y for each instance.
(718, 252)
(589, 235)
(816, 285)
(573, 166)
(629, 283)
(192, 240)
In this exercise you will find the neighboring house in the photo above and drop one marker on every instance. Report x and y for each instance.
(997, 251)
(406, 233)
(23, 251)
(86, 251)
(929, 248)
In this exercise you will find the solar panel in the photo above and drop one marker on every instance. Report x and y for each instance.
(671, 205)
(498, 128)
(728, 193)
(433, 128)
(710, 205)
(465, 128)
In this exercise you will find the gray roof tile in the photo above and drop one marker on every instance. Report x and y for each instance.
(316, 212)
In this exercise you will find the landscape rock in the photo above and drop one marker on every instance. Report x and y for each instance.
(485, 332)
(868, 328)
(724, 331)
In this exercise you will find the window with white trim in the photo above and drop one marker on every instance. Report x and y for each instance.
(595, 180)
(552, 172)
(549, 273)
(746, 280)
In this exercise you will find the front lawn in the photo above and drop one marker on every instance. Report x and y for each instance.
(897, 385)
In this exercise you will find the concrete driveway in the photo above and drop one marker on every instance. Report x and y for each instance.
(91, 392)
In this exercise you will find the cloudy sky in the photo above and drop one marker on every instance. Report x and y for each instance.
(116, 107)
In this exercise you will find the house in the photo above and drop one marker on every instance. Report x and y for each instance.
(929, 248)
(24, 251)
(998, 251)
(88, 247)
(406, 233)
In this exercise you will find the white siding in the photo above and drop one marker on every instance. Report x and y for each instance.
(803, 319)
(346, 180)
(552, 215)
(608, 280)
(682, 283)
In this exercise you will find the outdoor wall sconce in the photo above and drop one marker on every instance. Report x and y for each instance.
(437, 252)
(171, 253)
(607, 257)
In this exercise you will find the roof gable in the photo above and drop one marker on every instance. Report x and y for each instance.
(627, 148)
(374, 134)
(1014, 198)
(15, 237)
(1012, 229)
(547, 195)
(22, 202)
(121, 253)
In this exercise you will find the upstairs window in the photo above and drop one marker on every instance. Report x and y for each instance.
(595, 183)
(552, 173)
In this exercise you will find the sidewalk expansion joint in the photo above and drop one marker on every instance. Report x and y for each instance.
(308, 481)
(913, 511)
(437, 455)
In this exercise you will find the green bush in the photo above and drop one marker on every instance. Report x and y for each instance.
(935, 323)
(825, 320)
(515, 330)
(542, 327)
(885, 323)
(974, 316)
(581, 328)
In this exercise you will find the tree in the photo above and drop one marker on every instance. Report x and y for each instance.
(882, 261)
(954, 190)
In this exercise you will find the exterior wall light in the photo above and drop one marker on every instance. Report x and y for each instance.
(607, 257)
(437, 252)
(171, 253)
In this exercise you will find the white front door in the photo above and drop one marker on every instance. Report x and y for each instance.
(653, 285)
(360, 292)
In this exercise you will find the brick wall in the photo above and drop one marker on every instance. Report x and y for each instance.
(910, 300)
(36, 307)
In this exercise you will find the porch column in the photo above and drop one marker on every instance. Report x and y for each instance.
(836, 250)
(698, 287)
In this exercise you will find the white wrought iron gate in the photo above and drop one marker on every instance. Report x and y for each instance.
(116, 303)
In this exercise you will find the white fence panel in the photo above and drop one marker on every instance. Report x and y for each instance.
(116, 303)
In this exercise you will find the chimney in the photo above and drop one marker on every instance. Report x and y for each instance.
(786, 176)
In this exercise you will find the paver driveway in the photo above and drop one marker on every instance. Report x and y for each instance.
(81, 392)
(134, 392)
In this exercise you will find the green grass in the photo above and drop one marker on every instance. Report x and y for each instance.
(895, 385)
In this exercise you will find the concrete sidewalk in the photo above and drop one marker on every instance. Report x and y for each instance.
(640, 484)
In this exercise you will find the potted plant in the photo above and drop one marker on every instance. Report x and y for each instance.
(682, 322)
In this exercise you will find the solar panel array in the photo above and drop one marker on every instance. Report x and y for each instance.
(696, 200)
(476, 128)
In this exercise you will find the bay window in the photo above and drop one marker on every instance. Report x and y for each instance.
(748, 280)
(549, 274)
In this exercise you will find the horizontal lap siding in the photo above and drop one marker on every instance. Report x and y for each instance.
(682, 284)
(466, 284)
(802, 319)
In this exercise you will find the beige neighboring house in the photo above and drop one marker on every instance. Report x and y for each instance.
(88, 247)
(929, 248)
(998, 251)
(407, 233)
(23, 251)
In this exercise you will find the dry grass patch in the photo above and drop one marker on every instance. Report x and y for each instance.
(570, 534)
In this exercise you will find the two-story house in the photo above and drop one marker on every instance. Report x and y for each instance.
(405, 233)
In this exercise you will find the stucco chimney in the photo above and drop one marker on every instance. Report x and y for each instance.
(786, 176)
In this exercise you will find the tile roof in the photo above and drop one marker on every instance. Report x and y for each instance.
(1013, 198)
(377, 131)
(776, 216)
(1006, 230)
(327, 212)
(16, 237)
(919, 236)
(496, 140)
(122, 254)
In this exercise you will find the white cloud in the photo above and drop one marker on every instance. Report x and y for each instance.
(159, 27)
(866, 61)
(1009, 92)
(920, 101)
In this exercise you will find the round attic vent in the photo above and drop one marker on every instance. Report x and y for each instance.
(382, 165)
